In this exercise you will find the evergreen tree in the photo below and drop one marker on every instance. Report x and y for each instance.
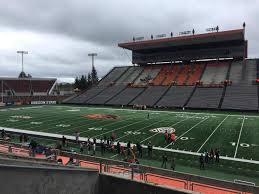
(89, 80)
(76, 84)
(83, 82)
(94, 76)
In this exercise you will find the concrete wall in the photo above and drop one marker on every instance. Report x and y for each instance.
(47, 180)
(115, 185)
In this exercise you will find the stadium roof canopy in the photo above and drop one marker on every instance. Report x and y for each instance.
(214, 45)
(212, 37)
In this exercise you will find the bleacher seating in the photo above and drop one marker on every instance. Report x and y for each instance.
(18, 86)
(105, 95)
(115, 74)
(147, 76)
(206, 98)
(150, 96)
(126, 96)
(243, 73)
(242, 95)
(157, 81)
(176, 96)
(194, 74)
(41, 86)
(87, 95)
(174, 85)
(215, 73)
(27, 86)
(171, 75)
(130, 75)
(241, 98)
(182, 75)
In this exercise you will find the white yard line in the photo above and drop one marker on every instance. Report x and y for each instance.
(212, 133)
(187, 131)
(169, 126)
(160, 111)
(87, 125)
(144, 128)
(239, 136)
(118, 128)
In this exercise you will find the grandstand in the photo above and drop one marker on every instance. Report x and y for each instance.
(27, 90)
(204, 71)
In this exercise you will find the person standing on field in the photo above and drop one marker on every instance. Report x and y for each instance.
(77, 136)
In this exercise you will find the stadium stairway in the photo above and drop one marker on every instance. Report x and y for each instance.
(183, 75)
(195, 86)
(69, 98)
(158, 80)
(112, 76)
(191, 95)
(87, 95)
(195, 74)
(225, 86)
(105, 95)
(241, 98)
(165, 92)
(171, 75)
(126, 96)
(130, 102)
(215, 73)
(243, 93)
(150, 96)
(129, 76)
(205, 98)
(176, 96)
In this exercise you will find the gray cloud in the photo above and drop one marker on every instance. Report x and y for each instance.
(63, 32)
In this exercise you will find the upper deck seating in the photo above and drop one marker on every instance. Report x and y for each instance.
(171, 75)
(243, 73)
(194, 74)
(112, 76)
(130, 75)
(147, 76)
(215, 73)
(182, 75)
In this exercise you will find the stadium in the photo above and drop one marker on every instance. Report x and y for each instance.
(188, 102)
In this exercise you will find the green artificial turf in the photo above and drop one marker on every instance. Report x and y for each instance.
(234, 134)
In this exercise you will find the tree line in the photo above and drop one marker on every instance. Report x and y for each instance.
(84, 82)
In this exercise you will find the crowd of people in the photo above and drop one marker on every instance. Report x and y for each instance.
(209, 157)
(129, 152)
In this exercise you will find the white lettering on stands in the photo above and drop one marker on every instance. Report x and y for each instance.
(43, 102)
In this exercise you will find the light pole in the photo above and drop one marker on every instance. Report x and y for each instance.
(22, 53)
(2, 91)
(92, 55)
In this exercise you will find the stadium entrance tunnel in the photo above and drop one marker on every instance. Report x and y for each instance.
(102, 116)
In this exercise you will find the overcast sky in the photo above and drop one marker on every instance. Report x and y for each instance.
(58, 34)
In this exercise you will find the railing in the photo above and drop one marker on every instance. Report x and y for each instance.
(144, 173)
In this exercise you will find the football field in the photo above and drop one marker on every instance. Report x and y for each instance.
(236, 135)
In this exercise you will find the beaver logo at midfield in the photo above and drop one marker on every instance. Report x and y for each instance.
(101, 116)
